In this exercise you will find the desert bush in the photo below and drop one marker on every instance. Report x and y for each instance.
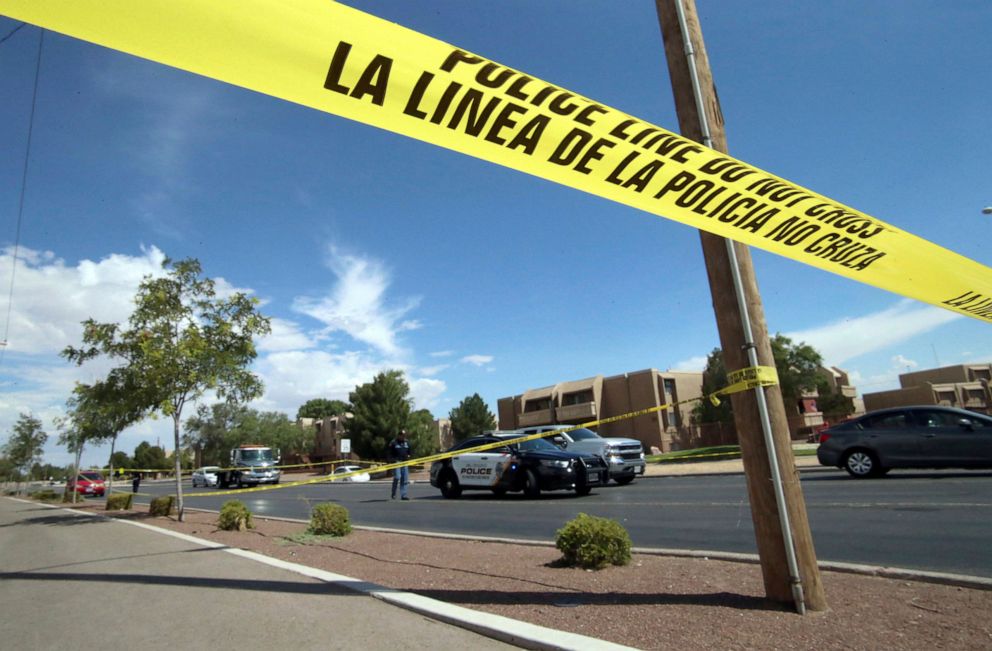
(235, 516)
(329, 520)
(120, 501)
(161, 505)
(46, 495)
(593, 543)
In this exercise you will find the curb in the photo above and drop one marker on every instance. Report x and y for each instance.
(504, 629)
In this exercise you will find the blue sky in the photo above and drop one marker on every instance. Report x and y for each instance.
(371, 251)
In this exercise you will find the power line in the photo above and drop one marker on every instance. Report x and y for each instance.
(24, 185)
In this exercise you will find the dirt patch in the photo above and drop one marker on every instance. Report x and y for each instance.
(654, 603)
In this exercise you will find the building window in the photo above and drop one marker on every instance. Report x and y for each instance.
(578, 398)
(537, 405)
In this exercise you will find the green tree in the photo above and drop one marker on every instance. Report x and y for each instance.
(181, 341)
(217, 429)
(714, 379)
(150, 457)
(24, 446)
(422, 433)
(798, 367)
(832, 402)
(322, 408)
(380, 408)
(214, 430)
(470, 418)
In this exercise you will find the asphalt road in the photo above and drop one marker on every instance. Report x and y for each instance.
(937, 521)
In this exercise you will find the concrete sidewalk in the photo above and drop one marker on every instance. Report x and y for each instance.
(66, 578)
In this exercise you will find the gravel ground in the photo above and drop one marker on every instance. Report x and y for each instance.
(653, 603)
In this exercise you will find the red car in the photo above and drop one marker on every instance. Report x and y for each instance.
(89, 482)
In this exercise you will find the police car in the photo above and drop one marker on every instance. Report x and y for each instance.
(531, 467)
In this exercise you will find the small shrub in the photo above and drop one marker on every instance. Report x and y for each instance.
(162, 505)
(593, 543)
(235, 516)
(46, 495)
(120, 501)
(329, 520)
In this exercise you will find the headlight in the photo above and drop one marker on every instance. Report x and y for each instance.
(642, 456)
(555, 463)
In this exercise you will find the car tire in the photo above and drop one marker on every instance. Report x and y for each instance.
(624, 480)
(862, 464)
(499, 491)
(450, 488)
(531, 487)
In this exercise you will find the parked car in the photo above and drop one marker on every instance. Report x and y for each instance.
(88, 482)
(343, 470)
(205, 476)
(908, 437)
(531, 467)
(624, 457)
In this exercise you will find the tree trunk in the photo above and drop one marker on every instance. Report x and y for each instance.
(110, 478)
(178, 466)
(75, 476)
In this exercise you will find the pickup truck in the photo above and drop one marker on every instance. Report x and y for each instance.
(623, 457)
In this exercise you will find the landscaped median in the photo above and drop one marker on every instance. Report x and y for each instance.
(653, 602)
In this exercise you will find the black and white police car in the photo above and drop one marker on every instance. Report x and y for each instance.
(530, 466)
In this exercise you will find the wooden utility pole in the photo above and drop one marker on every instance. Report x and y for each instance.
(758, 471)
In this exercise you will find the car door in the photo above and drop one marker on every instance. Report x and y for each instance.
(891, 435)
(482, 469)
(949, 443)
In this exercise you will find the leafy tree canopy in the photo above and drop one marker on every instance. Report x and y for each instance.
(470, 418)
(422, 433)
(380, 408)
(798, 367)
(322, 408)
(150, 457)
(25, 444)
(217, 429)
(181, 341)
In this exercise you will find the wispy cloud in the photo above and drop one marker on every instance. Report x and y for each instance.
(697, 363)
(851, 337)
(477, 360)
(357, 304)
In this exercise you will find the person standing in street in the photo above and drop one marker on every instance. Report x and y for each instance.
(399, 450)
(135, 482)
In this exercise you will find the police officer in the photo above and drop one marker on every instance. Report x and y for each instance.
(399, 450)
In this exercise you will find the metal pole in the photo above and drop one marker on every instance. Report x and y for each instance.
(752, 355)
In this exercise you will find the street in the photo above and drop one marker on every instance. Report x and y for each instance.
(936, 521)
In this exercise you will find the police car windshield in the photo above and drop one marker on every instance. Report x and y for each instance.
(537, 445)
(582, 434)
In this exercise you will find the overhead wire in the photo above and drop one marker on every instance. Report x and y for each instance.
(24, 184)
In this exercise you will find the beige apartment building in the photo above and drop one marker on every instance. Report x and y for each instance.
(601, 397)
(965, 385)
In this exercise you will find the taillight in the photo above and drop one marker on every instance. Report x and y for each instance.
(824, 436)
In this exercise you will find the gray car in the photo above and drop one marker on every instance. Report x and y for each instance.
(908, 437)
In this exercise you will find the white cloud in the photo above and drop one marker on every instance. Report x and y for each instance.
(697, 363)
(477, 360)
(430, 371)
(426, 392)
(356, 305)
(903, 362)
(849, 338)
(285, 336)
(443, 353)
(51, 299)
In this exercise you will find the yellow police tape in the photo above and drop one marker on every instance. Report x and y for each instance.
(747, 378)
(340, 60)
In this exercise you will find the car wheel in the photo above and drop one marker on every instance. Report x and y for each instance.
(861, 464)
(623, 481)
(499, 491)
(450, 488)
(531, 487)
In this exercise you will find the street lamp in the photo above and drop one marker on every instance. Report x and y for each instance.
(987, 210)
